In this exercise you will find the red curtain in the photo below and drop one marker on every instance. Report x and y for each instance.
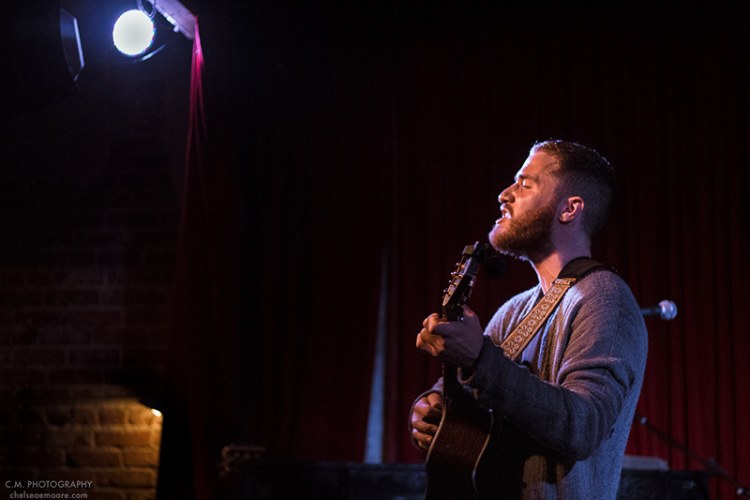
(203, 407)
(389, 143)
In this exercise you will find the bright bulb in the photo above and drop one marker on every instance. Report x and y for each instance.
(133, 32)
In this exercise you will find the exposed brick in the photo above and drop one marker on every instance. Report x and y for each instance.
(20, 298)
(70, 474)
(146, 315)
(23, 474)
(143, 378)
(65, 257)
(68, 439)
(140, 415)
(156, 438)
(59, 417)
(141, 495)
(68, 377)
(37, 457)
(84, 416)
(95, 457)
(96, 317)
(71, 298)
(16, 336)
(142, 276)
(95, 357)
(20, 438)
(23, 376)
(76, 276)
(144, 296)
(107, 336)
(39, 357)
(65, 336)
(86, 281)
(47, 393)
(112, 415)
(147, 458)
(41, 318)
(124, 438)
(129, 335)
(89, 391)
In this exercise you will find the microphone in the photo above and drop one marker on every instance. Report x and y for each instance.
(495, 266)
(666, 310)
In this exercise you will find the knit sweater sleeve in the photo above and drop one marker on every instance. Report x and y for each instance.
(600, 357)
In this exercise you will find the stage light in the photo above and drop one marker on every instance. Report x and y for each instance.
(133, 33)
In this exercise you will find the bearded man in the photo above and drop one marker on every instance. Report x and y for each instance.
(563, 402)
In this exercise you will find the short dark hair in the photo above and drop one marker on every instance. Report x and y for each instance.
(585, 173)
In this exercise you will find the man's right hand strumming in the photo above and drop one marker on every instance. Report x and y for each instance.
(425, 418)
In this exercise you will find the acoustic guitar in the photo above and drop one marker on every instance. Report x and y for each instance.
(465, 427)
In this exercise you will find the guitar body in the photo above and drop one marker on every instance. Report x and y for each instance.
(459, 445)
(463, 436)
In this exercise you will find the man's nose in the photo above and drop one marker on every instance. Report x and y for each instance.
(506, 195)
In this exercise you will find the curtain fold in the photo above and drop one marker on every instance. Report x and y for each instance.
(201, 409)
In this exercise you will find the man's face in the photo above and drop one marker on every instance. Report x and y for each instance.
(528, 210)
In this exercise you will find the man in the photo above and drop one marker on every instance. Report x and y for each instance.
(566, 402)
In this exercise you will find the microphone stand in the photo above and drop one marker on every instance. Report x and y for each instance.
(710, 464)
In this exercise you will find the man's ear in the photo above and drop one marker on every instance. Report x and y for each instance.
(571, 209)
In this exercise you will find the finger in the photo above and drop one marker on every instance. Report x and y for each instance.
(435, 401)
(425, 341)
(424, 427)
(423, 345)
(431, 344)
(432, 318)
(423, 440)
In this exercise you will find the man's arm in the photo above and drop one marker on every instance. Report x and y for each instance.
(602, 362)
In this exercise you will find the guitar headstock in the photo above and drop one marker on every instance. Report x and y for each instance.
(462, 281)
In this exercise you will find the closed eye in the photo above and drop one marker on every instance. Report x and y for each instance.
(523, 182)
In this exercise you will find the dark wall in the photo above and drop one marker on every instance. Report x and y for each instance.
(89, 190)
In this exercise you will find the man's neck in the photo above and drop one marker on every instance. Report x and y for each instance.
(548, 268)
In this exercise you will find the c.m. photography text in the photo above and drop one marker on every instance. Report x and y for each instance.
(47, 489)
(48, 484)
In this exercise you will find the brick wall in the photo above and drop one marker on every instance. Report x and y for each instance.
(111, 447)
(88, 232)
(85, 288)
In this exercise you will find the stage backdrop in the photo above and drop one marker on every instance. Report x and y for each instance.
(371, 146)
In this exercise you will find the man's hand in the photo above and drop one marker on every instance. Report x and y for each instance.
(454, 342)
(425, 419)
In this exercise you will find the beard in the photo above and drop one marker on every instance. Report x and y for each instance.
(526, 237)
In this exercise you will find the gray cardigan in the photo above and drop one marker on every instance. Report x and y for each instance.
(565, 437)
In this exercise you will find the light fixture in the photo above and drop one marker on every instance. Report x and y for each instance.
(133, 33)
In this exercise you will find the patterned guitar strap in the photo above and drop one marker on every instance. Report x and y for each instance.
(574, 271)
